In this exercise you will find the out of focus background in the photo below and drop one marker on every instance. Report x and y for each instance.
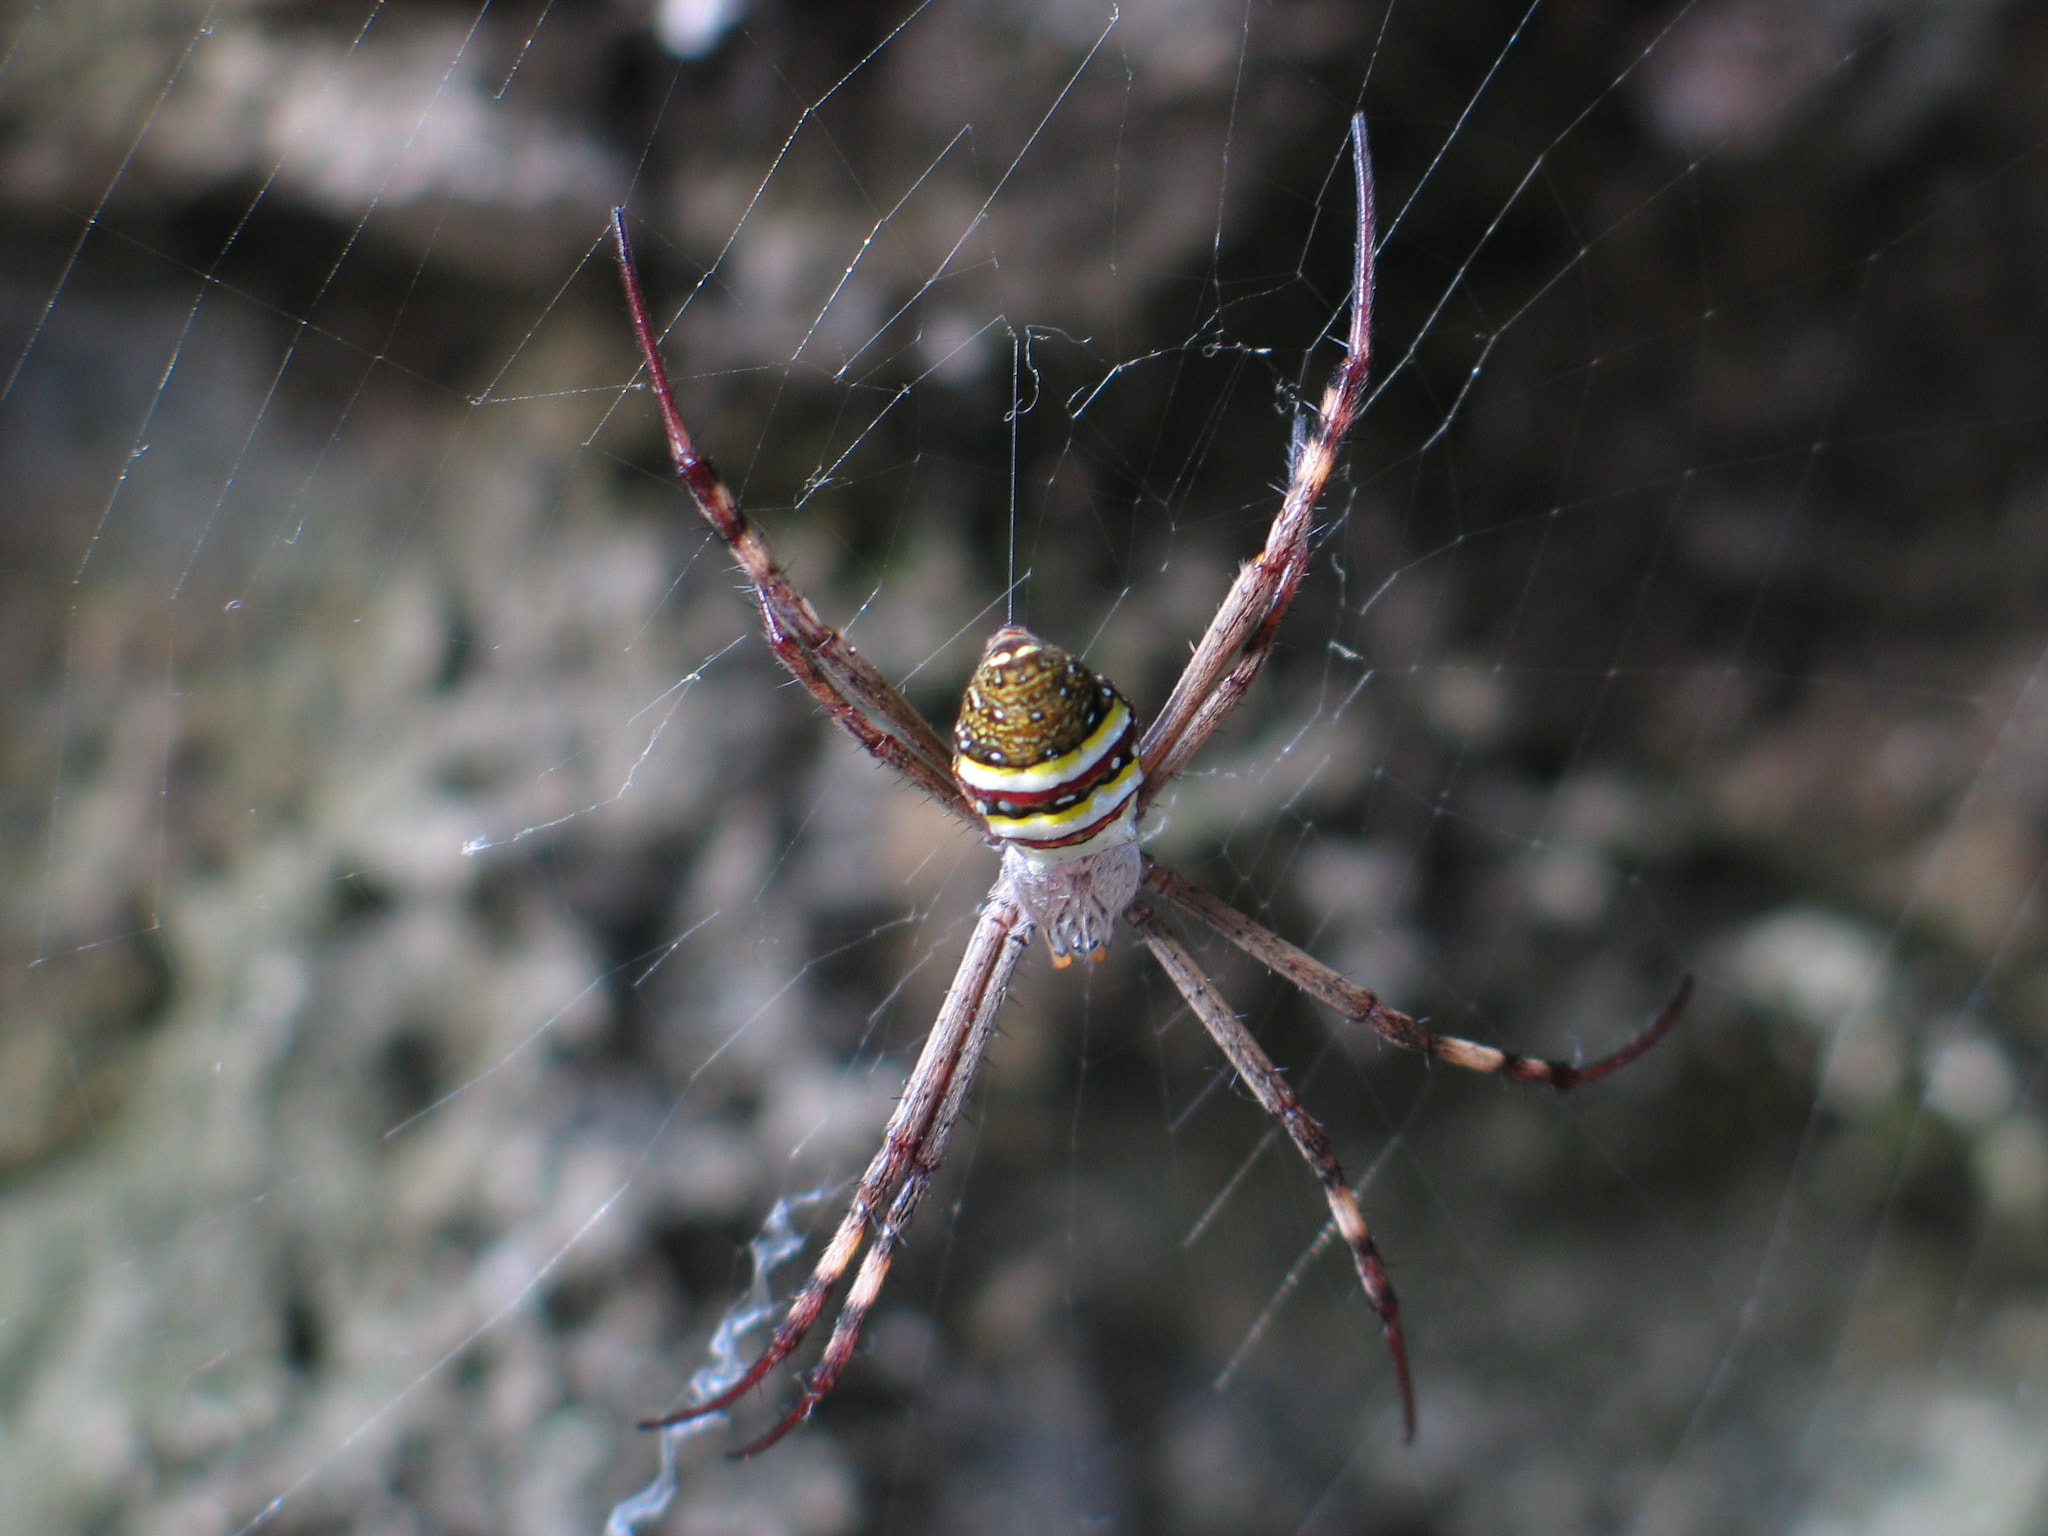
(434, 937)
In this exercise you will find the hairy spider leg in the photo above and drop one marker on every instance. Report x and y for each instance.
(844, 682)
(874, 1267)
(1361, 1006)
(1278, 1098)
(937, 1088)
(1233, 650)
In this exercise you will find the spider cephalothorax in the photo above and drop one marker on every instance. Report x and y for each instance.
(1047, 752)
(1048, 764)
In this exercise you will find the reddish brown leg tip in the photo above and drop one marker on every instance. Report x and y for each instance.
(1666, 1021)
(1397, 1346)
(797, 1415)
(1661, 1026)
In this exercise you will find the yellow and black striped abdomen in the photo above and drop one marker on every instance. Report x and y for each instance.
(1046, 749)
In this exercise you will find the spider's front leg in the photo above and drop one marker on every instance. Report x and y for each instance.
(1359, 1005)
(924, 1162)
(912, 1148)
(1278, 1098)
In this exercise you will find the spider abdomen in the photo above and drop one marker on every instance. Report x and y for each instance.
(1047, 752)
(1046, 749)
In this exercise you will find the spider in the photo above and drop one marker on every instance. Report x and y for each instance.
(1048, 764)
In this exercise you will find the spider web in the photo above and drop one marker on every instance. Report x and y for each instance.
(436, 939)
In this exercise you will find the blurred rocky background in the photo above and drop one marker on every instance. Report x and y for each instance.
(434, 937)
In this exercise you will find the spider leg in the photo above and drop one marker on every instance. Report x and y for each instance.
(844, 682)
(911, 1149)
(1280, 1101)
(874, 1267)
(1233, 650)
(1354, 1002)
